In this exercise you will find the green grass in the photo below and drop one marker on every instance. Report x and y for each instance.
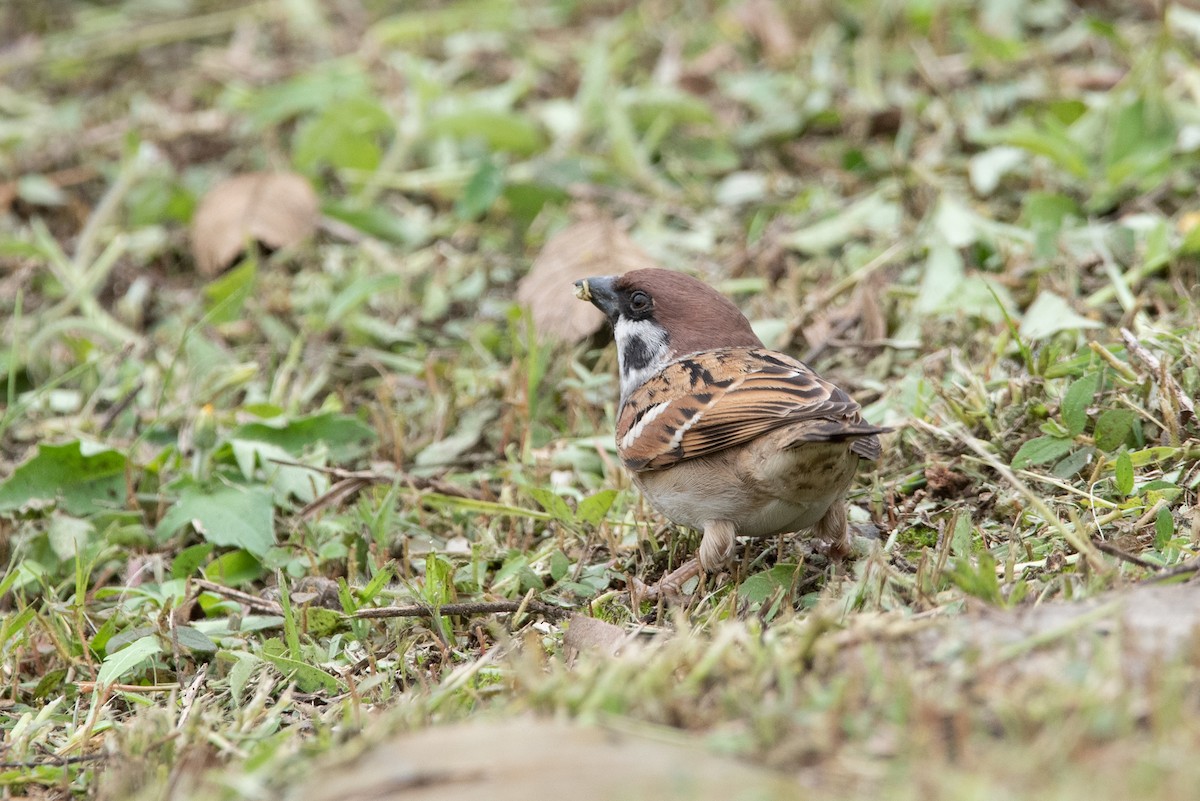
(251, 522)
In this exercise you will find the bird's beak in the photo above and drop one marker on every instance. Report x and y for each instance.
(599, 292)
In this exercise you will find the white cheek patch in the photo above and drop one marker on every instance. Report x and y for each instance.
(631, 436)
(642, 350)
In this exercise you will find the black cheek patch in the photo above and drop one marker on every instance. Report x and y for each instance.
(637, 355)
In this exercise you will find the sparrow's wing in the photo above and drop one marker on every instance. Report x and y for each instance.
(707, 402)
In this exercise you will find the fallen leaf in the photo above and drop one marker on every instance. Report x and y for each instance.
(275, 209)
(596, 246)
(589, 633)
(527, 758)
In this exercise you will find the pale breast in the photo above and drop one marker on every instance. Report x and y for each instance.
(762, 490)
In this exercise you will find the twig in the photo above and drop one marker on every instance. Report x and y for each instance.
(252, 601)
(1125, 556)
(351, 481)
(1190, 566)
(54, 761)
(473, 608)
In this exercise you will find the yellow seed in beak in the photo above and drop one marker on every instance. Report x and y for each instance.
(583, 291)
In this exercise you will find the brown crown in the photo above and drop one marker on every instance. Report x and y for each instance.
(696, 316)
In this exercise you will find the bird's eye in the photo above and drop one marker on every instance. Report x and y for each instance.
(639, 301)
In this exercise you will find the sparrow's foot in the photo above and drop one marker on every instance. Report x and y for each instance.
(669, 586)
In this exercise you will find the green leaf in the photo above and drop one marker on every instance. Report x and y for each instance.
(552, 503)
(1164, 527)
(560, 565)
(380, 222)
(591, 510)
(227, 294)
(759, 588)
(439, 577)
(1112, 427)
(1049, 314)
(82, 478)
(481, 191)
(1072, 463)
(1075, 402)
(346, 135)
(346, 437)
(1123, 473)
(979, 580)
(234, 568)
(188, 560)
(121, 664)
(1041, 450)
(193, 639)
(241, 672)
(367, 594)
(238, 517)
(308, 678)
(504, 131)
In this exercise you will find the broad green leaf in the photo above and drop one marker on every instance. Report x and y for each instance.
(69, 536)
(481, 191)
(346, 135)
(82, 478)
(346, 437)
(1049, 314)
(1112, 427)
(941, 277)
(121, 664)
(1049, 140)
(423, 24)
(1164, 527)
(591, 510)
(234, 568)
(503, 131)
(1123, 473)
(242, 671)
(237, 517)
(188, 561)
(308, 678)
(1041, 450)
(226, 295)
(552, 503)
(874, 213)
(381, 222)
(287, 480)
(760, 587)
(1076, 400)
(193, 639)
(560, 565)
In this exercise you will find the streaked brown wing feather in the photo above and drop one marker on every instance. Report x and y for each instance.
(707, 402)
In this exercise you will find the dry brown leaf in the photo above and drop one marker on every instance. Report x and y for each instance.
(588, 633)
(275, 209)
(527, 759)
(763, 20)
(590, 247)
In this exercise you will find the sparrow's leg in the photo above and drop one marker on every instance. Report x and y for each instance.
(833, 535)
(716, 547)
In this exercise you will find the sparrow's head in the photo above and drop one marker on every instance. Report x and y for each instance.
(659, 315)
